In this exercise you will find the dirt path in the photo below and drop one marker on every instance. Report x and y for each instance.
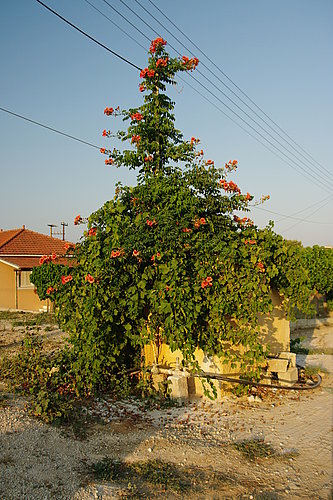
(39, 461)
(202, 442)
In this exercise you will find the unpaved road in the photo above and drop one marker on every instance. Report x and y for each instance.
(38, 461)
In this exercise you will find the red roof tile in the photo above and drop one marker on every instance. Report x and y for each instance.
(24, 248)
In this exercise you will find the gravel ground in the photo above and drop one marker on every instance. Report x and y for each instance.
(39, 461)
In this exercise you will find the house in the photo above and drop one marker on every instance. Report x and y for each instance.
(20, 251)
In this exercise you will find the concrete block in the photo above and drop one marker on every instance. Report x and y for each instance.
(290, 377)
(288, 355)
(277, 365)
(158, 379)
(178, 387)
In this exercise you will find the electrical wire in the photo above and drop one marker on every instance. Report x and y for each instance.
(230, 90)
(49, 128)
(322, 202)
(233, 83)
(88, 36)
(228, 107)
(309, 176)
(305, 220)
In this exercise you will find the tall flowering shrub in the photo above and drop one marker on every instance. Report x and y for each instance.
(169, 260)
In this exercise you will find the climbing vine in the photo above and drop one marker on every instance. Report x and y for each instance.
(172, 258)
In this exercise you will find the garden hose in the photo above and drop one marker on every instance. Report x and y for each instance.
(295, 387)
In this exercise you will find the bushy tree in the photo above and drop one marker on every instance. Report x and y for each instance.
(169, 260)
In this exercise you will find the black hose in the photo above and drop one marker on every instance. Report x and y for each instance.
(225, 378)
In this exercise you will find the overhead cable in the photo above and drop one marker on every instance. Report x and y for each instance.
(234, 84)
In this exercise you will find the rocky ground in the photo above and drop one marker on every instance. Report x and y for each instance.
(277, 445)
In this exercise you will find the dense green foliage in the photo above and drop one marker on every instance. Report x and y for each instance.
(169, 260)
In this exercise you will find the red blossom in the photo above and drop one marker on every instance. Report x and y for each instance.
(149, 158)
(136, 139)
(229, 187)
(207, 282)
(210, 162)
(248, 197)
(261, 267)
(89, 278)
(186, 230)
(92, 231)
(66, 279)
(53, 256)
(102, 150)
(156, 43)
(162, 62)
(78, 219)
(50, 290)
(104, 133)
(115, 253)
(137, 116)
(135, 253)
(142, 88)
(110, 161)
(202, 220)
(108, 111)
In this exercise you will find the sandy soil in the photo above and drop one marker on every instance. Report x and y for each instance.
(38, 461)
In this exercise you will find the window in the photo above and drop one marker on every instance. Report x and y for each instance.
(24, 279)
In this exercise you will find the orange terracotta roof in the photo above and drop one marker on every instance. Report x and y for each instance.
(25, 242)
(23, 248)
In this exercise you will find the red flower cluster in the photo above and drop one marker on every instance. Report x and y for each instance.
(231, 165)
(102, 150)
(105, 133)
(92, 231)
(194, 140)
(243, 221)
(230, 187)
(136, 139)
(149, 158)
(261, 267)
(190, 64)
(158, 255)
(47, 258)
(108, 111)
(115, 253)
(248, 197)
(162, 62)
(50, 290)
(149, 73)
(142, 88)
(207, 282)
(186, 230)
(210, 162)
(135, 253)
(137, 116)
(199, 222)
(110, 161)
(200, 153)
(78, 219)
(151, 222)
(69, 246)
(155, 43)
(66, 279)
(89, 278)
(250, 242)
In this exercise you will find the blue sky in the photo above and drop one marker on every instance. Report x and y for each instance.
(279, 53)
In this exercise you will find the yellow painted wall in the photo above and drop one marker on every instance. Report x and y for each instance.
(27, 300)
(275, 332)
(7, 286)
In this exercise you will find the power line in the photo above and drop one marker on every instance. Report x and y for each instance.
(305, 220)
(49, 128)
(292, 165)
(225, 95)
(88, 36)
(321, 202)
(233, 83)
(228, 107)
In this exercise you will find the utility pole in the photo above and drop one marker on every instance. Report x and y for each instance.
(51, 226)
(64, 224)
